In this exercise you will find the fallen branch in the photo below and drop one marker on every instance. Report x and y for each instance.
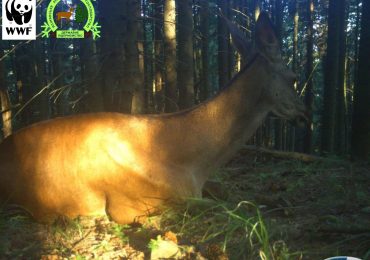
(281, 154)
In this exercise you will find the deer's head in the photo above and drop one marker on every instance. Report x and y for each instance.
(279, 93)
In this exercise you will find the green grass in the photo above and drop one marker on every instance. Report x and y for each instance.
(239, 229)
(153, 244)
(119, 231)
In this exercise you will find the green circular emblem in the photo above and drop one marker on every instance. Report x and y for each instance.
(80, 14)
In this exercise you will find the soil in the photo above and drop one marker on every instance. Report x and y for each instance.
(310, 210)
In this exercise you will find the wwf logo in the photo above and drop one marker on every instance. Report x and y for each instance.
(19, 10)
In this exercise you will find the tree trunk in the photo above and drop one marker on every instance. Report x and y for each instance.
(117, 95)
(6, 112)
(61, 101)
(204, 27)
(341, 112)
(223, 39)
(308, 97)
(28, 81)
(279, 124)
(185, 54)
(41, 105)
(331, 76)
(279, 12)
(146, 58)
(256, 12)
(361, 112)
(90, 67)
(169, 28)
(292, 137)
(158, 57)
(230, 49)
(135, 57)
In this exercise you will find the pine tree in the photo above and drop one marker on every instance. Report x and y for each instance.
(80, 14)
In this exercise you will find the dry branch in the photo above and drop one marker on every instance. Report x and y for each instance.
(281, 154)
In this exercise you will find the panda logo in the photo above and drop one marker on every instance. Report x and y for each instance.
(19, 10)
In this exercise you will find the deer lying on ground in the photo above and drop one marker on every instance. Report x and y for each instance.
(127, 165)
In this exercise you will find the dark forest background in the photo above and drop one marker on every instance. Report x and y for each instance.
(157, 56)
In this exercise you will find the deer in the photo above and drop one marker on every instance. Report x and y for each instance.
(65, 15)
(128, 166)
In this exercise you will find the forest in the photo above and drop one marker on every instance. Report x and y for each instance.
(166, 58)
(291, 192)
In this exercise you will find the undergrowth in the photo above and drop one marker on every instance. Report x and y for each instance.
(239, 229)
(273, 210)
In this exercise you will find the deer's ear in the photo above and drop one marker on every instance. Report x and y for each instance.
(266, 40)
(240, 42)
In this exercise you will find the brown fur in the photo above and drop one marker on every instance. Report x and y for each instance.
(125, 165)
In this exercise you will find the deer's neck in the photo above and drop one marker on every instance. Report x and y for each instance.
(226, 122)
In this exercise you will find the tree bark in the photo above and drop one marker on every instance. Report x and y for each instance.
(294, 141)
(117, 95)
(6, 112)
(279, 124)
(29, 70)
(185, 54)
(331, 76)
(158, 57)
(169, 28)
(341, 115)
(204, 27)
(223, 39)
(41, 105)
(361, 112)
(135, 57)
(90, 67)
(308, 97)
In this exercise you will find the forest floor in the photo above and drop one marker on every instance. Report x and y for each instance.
(268, 206)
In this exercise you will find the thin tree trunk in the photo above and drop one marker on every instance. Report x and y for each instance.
(256, 11)
(293, 138)
(204, 30)
(331, 76)
(6, 112)
(308, 98)
(158, 57)
(357, 32)
(279, 125)
(28, 80)
(90, 67)
(146, 58)
(361, 112)
(223, 39)
(230, 49)
(185, 54)
(117, 94)
(134, 57)
(42, 104)
(169, 28)
(279, 8)
(341, 112)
